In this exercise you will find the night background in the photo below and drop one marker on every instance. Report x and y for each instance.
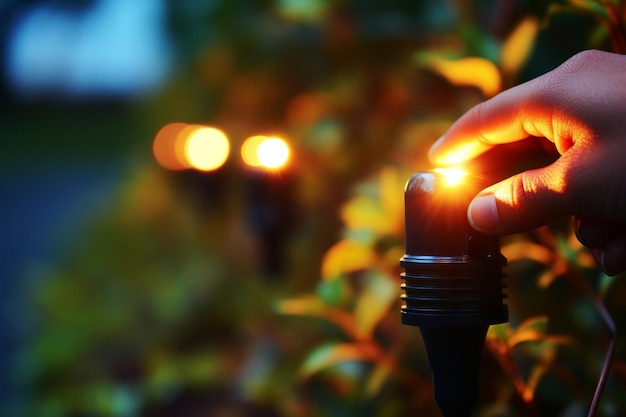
(137, 278)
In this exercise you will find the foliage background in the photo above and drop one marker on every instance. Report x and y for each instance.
(243, 293)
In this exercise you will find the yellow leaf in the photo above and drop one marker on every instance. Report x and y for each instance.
(377, 378)
(539, 322)
(373, 303)
(531, 329)
(558, 268)
(499, 332)
(529, 335)
(392, 255)
(583, 257)
(518, 46)
(527, 250)
(304, 306)
(586, 259)
(546, 279)
(534, 329)
(313, 306)
(537, 372)
(391, 194)
(366, 214)
(471, 71)
(346, 256)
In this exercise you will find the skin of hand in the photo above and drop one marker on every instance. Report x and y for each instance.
(581, 108)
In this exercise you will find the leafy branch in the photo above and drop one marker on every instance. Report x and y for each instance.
(610, 14)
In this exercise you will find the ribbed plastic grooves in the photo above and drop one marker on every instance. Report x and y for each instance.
(455, 291)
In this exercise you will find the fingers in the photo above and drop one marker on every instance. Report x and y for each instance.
(564, 105)
(579, 107)
(612, 257)
(494, 211)
(518, 203)
(606, 239)
(511, 116)
(593, 232)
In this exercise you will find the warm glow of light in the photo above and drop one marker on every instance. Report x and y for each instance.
(453, 176)
(249, 150)
(265, 152)
(273, 153)
(462, 152)
(206, 148)
(167, 145)
(179, 146)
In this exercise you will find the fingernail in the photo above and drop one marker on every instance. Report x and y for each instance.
(438, 141)
(482, 213)
(603, 262)
(613, 259)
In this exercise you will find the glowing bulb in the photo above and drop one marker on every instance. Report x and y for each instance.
(249, 150)
(206, 148)
(166, 146)
(453, 176)
(272, 153)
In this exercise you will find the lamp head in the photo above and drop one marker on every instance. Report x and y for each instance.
(453, 286)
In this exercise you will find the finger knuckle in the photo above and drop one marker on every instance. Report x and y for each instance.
(524, 193)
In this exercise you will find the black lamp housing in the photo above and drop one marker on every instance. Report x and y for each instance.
(453, 286)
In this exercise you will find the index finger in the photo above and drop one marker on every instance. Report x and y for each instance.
(511, 116)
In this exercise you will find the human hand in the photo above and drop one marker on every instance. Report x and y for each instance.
(581, 108)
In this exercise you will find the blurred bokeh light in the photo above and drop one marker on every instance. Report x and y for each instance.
(206, 148)
(273, 153)
(179, 146)
(168, 147)
(249, 150)
(265, 152)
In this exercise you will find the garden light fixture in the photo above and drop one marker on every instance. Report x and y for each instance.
(453, 286)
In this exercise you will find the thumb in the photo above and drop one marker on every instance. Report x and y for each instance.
(521, 202)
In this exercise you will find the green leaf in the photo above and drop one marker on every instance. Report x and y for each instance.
(480, 43)
(333, 291)
(605, 283)
(590, 6)
(539, 323)
(329, 355)
(499, 332)
(565, 250)
(377, 378)
(424, 58)
(303, 10)
(593, 12)
(374, 301)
